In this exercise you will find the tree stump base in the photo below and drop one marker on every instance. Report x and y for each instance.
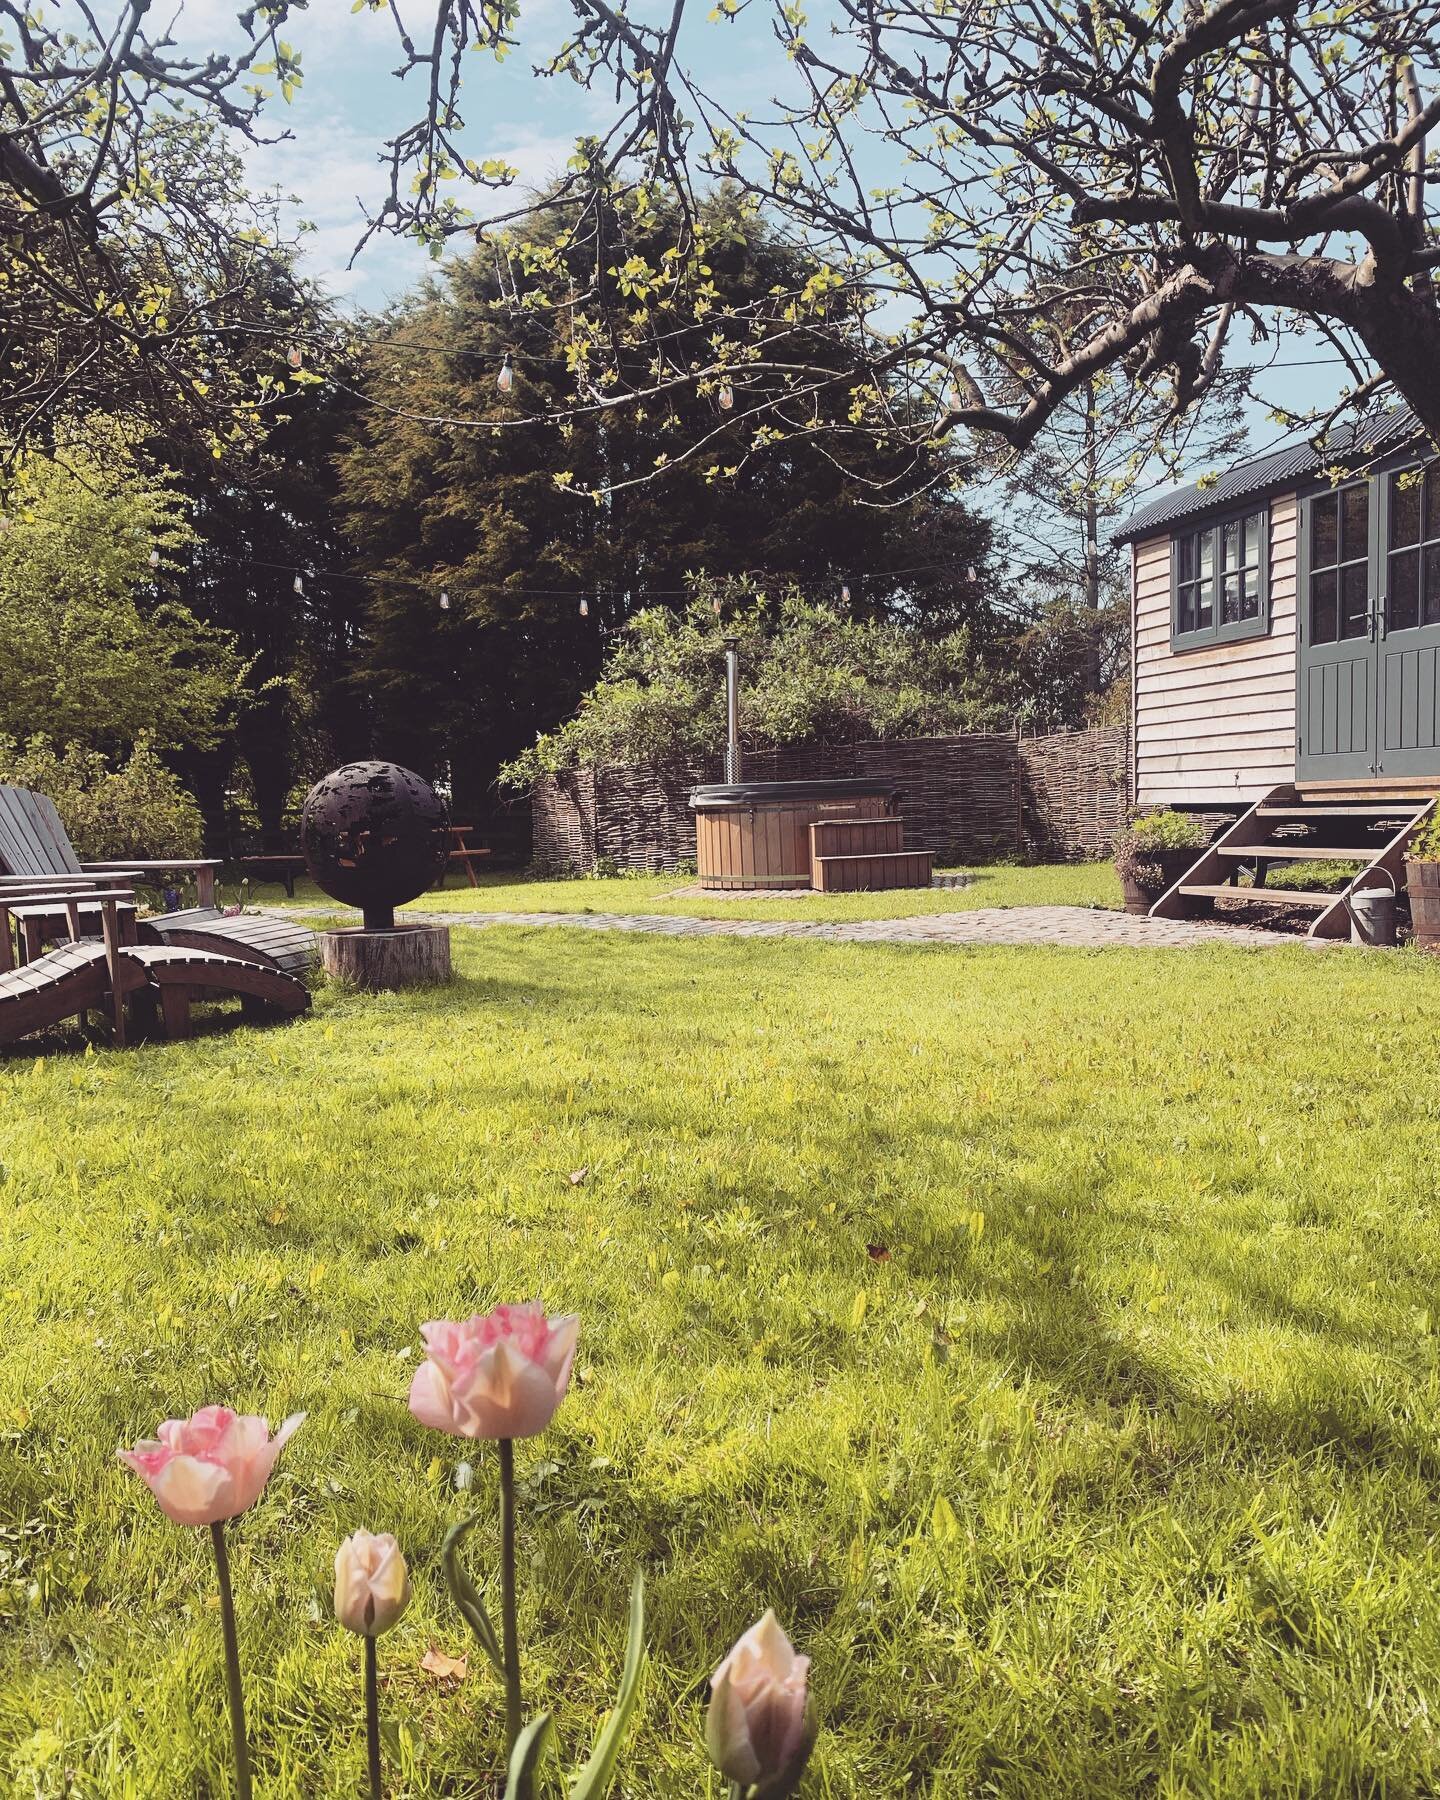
(408, 956)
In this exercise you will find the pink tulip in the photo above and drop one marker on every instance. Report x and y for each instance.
(498, 1375)
(759, 1729)
(209, 1468)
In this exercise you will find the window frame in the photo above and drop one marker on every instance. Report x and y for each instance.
(1217, 632)
(1376, 476)
(1412, 463)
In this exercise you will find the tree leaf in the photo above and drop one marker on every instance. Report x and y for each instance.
(530, 1747)
(443, 1666)
(594, 1779)
(467, 1595)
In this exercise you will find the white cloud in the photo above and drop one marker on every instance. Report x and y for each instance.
(331, 166)
(350, 102)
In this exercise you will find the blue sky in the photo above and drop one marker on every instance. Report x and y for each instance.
(350, 102)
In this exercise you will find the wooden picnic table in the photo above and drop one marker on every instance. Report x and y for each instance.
(464, 852)
(287, 865)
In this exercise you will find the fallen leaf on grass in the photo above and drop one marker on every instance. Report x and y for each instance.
(577, 1176)
(442, 1667)
(878, 1252)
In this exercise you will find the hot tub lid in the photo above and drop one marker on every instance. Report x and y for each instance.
(781, 793)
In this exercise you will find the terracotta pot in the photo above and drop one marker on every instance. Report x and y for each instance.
(1172, 865)
(1422, 884)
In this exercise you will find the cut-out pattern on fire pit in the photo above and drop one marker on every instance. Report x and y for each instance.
(374, 835)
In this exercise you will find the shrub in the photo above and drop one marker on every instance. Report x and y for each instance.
(809, 675)
(1144, 838)
(96, 646)
(1425, 845)
(136, 808)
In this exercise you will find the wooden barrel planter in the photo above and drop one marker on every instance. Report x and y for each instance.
(1422, 884)
(1172, 865)
(408, 956)
(756, 834)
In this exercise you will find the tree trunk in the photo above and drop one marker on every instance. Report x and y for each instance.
(409, 956)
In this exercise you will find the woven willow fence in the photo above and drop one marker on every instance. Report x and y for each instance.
(978, 797)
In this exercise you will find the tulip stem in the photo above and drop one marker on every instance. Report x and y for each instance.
(372, 1718)
(232, 1663)
(510, 1635)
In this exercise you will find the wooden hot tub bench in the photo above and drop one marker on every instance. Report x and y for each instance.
(834, 836)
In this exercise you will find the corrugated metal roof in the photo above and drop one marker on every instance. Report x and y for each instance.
(1264, 474)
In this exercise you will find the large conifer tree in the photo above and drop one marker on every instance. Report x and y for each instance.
(516, 505)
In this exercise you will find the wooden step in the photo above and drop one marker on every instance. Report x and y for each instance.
(871, 874)
(1258, 896)
(1375, 813)
(856, 837)
(1249, 853)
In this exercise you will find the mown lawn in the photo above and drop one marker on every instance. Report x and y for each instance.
(1118, 1475)
(995, 884)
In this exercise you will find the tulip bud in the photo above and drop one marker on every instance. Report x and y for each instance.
(372, 1587)
(760, 1728)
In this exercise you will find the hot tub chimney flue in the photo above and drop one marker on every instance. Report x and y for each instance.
(732, 710)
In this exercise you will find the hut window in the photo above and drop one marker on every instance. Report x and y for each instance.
(1339, 564)
(1220, 581)
(1413, 548)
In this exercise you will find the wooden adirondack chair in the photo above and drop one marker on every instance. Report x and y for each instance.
(81, 975)
(33, 842)
(85, 973)
(35, 850)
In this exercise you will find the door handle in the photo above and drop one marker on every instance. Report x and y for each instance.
(1377, 622)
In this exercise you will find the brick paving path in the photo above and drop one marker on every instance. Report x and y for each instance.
(1076, 926)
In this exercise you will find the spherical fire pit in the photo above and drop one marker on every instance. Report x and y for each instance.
(375, 835)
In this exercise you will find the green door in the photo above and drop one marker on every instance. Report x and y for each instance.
(1337, 702)
(1368, 697)
(1408, 628)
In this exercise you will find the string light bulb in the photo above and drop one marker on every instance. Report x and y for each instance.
(715, 606)
(298, 583)
(845, 593)
(726, 396)
(584, 608)
(444, 600)
(154, 559)
(296, 356)
(505, 380)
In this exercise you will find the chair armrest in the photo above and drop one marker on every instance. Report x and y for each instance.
(42, 881)
(121, 872)
(68, 897)
(169, 863)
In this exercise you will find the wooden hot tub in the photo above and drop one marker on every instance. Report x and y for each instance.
(756, 834)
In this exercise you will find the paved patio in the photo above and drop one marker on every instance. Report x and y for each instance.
(1076, 927)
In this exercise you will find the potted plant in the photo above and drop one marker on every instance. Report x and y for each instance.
(1422, 883)
(1152, 853)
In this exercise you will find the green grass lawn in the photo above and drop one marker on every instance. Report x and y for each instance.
(997, 884)
(1119, 1475)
